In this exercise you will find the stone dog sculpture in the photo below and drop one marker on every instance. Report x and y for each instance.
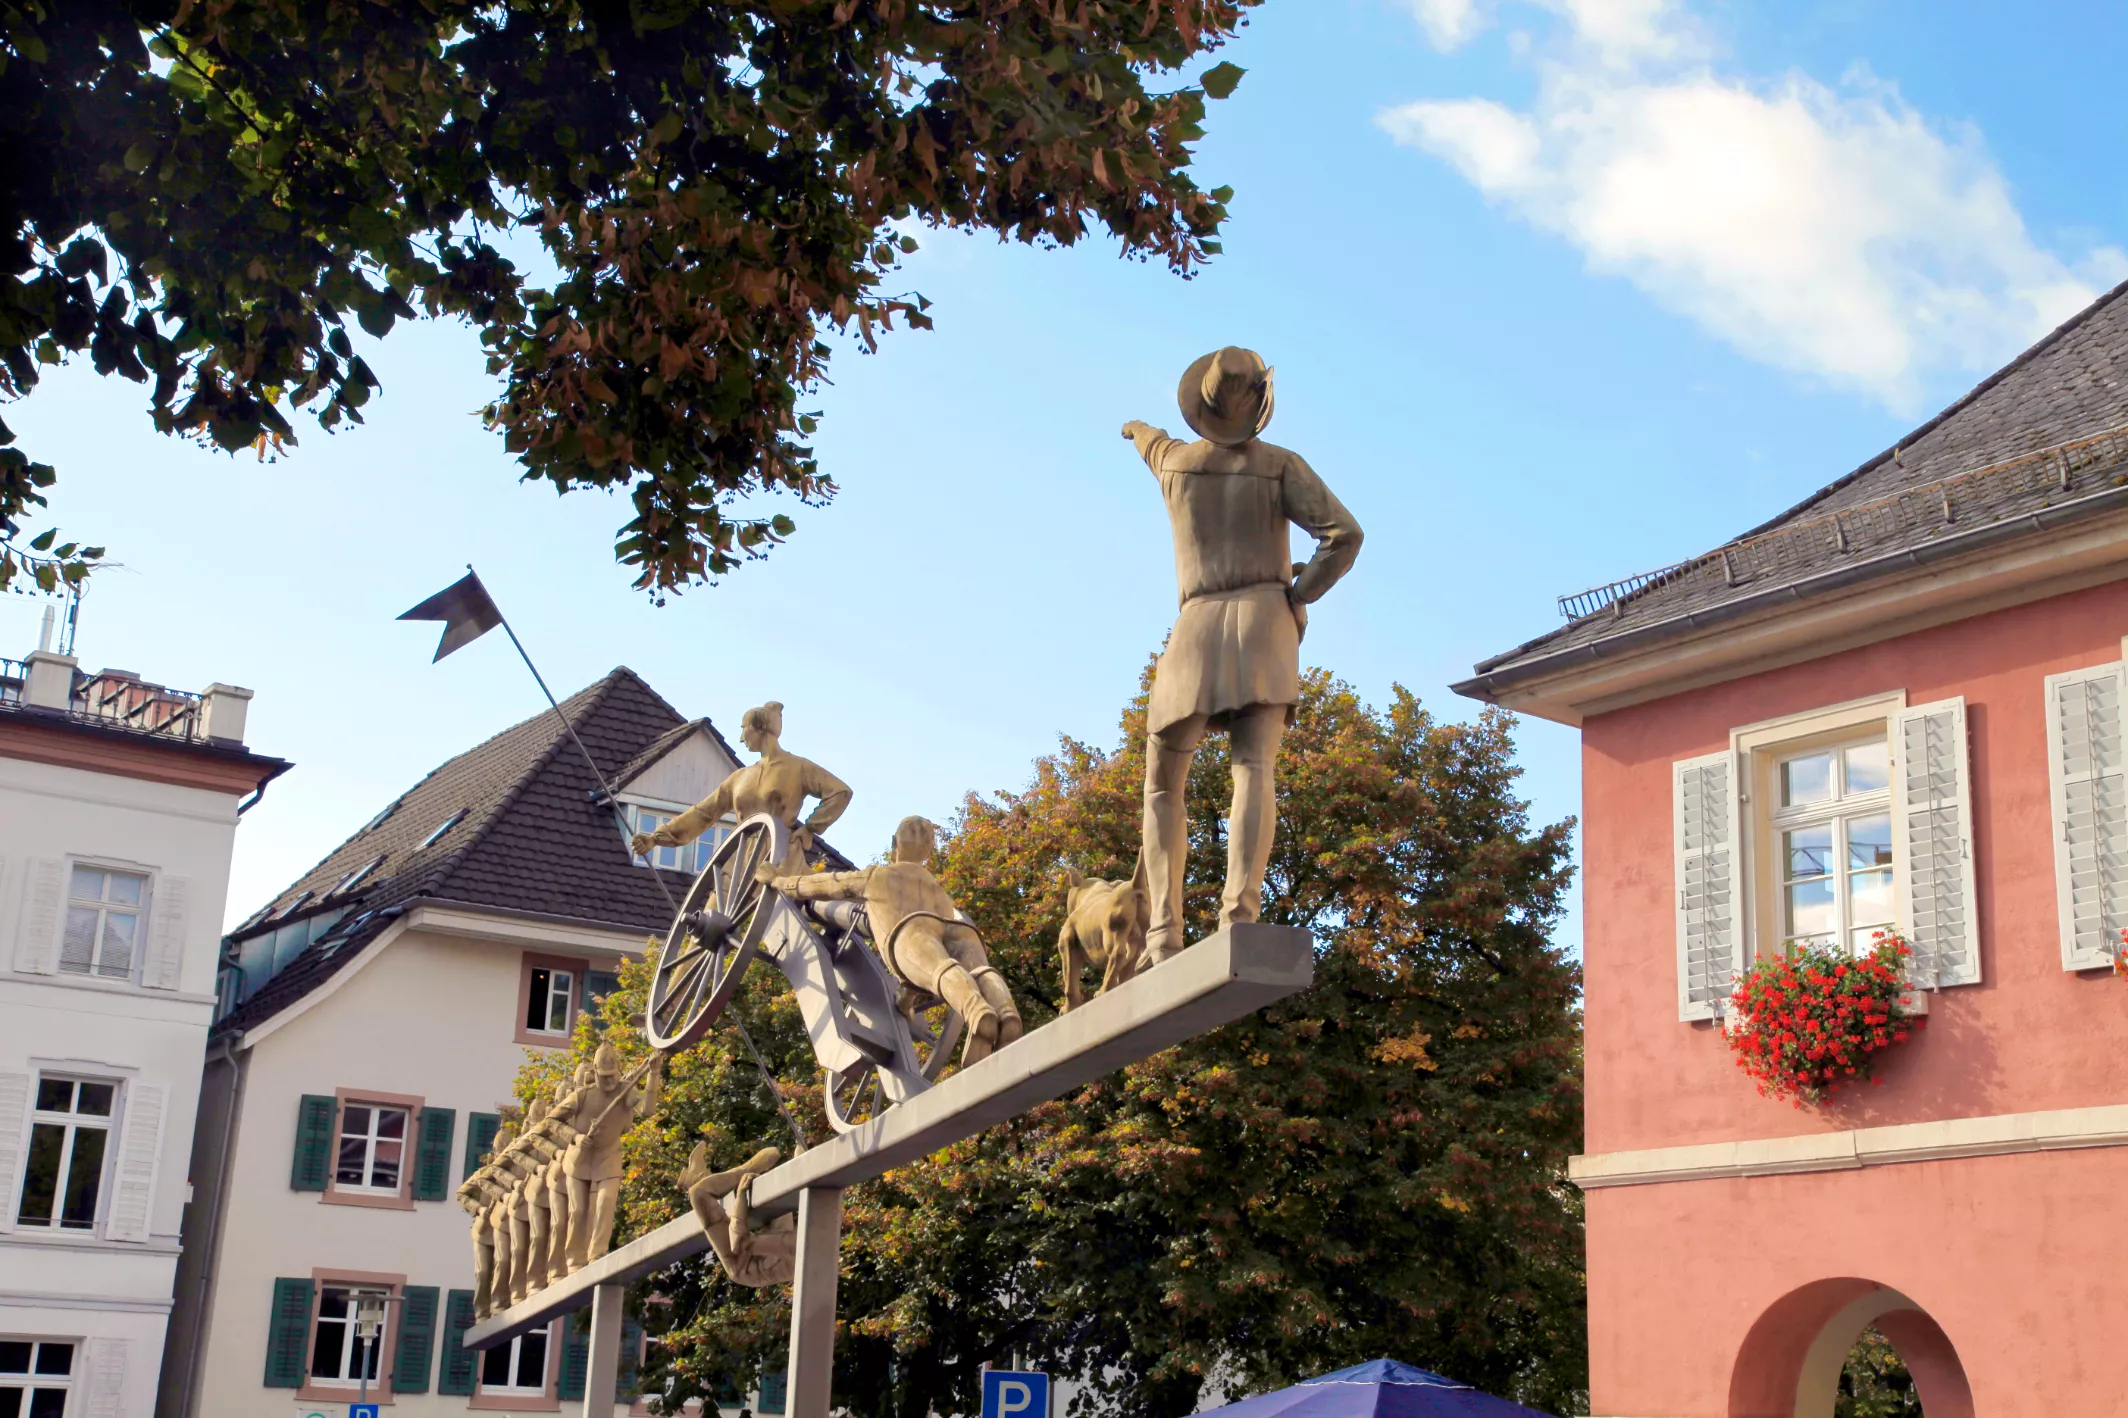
(1233, 658)
(1104, 927)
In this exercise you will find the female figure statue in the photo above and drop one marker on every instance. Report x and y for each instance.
(777, 783)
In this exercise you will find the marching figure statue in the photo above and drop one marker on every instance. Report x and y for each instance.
(776, 783)
(611, 1105)
(922, 939)
(752, 1258)
(1233, 658)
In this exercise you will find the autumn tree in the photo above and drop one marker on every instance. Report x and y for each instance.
(1375, 1166)
(201, 195)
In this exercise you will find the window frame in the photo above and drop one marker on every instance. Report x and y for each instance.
(695, 855)
(343, 1390)
(401, 1200)
(112, 1128)
(578, 967)
(29, 1381)
(1835, 812)
(142, 912)
(548, 1400)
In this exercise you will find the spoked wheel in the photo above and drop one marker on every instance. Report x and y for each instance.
(854, 1097)
(713, 938)
(935, 1030)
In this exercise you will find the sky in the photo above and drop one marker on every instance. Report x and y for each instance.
(1557, 292)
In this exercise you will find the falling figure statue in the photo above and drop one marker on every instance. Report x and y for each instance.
(750, 1257)
(921, 936)
(1233, 658)
(776, 783)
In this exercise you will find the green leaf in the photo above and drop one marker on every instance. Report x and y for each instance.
(138, 157)
(1221, 79)
(43, 540)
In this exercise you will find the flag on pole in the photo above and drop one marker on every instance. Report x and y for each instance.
(466, 610)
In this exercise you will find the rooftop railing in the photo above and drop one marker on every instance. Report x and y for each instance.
(13, 675)
(130, 703)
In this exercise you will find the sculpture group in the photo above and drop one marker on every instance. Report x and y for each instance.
(889, 972)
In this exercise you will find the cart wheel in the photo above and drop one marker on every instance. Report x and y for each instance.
(713, 937)
(853, 1097)
(935, 1030)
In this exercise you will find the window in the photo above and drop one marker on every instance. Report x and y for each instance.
(690, 858)
(547, 1002)
(517, 1369)
(102, 923)
(1832, 825)
(355, 877)
(372, 1148)
(35, 1377)
(294, 906)
(441, 828)
(338, 1355)
(70, 1134)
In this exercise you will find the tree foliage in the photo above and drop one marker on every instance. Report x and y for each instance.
(1375, 1166)
(200, 195)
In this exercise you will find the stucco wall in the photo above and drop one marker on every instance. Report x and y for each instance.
(2029, 1037)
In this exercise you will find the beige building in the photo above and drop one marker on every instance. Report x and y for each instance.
(119, 803)
(375, 1016)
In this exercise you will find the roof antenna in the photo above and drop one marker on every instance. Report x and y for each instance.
(44, 635)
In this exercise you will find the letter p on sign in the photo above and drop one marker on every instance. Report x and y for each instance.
(1015, 1395)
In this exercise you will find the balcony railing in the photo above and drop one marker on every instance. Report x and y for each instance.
(125, 702)
(13, 675)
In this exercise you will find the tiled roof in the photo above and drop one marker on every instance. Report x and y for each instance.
(2042, 441)
(534, 838)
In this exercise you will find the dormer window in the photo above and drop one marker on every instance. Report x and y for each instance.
(356, 877)
(443, 827)
(302, 899)
(690, 858)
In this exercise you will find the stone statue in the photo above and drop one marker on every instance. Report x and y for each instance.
(776, 783)
(750, 1257)
(611, 1105)
(478, 1196)
(1233, 658)
(921, 937)
(1104, 926)
(551, 1261)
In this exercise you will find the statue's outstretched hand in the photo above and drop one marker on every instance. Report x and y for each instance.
(641, 843)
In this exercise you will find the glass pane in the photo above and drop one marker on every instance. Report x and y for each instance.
(536, 1001)
(55, 1095)
(354, 1158)
(123, 889)
(77, 948)
(1808, 851)
(87, 884)
(1869, 767)
(84, 1179)
(354, 1118)
(95, 1100)
(48, 1403)
(1812, 913)
(329, 1354)
(384, 1167)
(55, 1358)
(1807, 779)
(1869, 841)
(1869, 898)
(558, 1002)
(391, 1122)
(40, 1185)
(532, 1361)
(10, 1402)
(14, 1356)
(115, 960)
(495, 1366)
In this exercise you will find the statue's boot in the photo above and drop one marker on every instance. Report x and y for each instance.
(959, 990)
(1252, 818)
(726, 1182)
(1166, 840)
(992, 984)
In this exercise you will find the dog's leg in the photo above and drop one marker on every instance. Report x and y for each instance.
(1068, 954)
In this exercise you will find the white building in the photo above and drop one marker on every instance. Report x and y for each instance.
(119, 803)
(378, 1012)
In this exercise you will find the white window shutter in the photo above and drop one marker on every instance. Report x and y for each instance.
(37, 939)
(106, 1372)
(1709, 932)
(2090, 800)
(14, 1114)
(133, 1197)
(1932, 843)
(165, 965)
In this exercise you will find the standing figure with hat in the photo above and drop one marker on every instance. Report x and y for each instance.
(1233, 658)
(610, 1105)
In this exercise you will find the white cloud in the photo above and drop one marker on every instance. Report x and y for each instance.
(1833, 231)
(1448, 23)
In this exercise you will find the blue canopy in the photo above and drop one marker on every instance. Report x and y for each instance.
(1379, 1388)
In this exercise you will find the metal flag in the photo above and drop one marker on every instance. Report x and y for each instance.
(466, 610)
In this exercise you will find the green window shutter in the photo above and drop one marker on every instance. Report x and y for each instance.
(460, 1364)
(432, 1163)
(480, 1130)
(288, 1333)
(314, 1143)
(772, 1387)
(415, 1346)
(576, 1355)
(597, 985)
(626, 1378)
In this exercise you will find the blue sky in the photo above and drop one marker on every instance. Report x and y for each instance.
(1557, 293)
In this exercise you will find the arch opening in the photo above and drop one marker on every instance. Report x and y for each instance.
(1792, 1360)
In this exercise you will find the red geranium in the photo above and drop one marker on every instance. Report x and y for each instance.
(1806, 1022)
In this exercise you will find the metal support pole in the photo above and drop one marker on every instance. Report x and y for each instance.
(604, 1365)
(812, 1366)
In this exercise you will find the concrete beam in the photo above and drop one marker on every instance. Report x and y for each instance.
(1216, 981)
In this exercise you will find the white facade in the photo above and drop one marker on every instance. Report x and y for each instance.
(112, 886)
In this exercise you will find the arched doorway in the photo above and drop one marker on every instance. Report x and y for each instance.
(1790, 1364)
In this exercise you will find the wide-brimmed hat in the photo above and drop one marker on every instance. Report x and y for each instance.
(1238, 372)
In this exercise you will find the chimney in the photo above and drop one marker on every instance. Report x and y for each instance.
(50, 682)
(223, 708)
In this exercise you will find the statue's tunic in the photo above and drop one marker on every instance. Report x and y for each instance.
(1237, 640)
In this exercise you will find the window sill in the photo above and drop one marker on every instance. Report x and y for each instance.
(84, 1241)
(382, 1201)
(312, 1391)
(538, 1039)
(514, 1403)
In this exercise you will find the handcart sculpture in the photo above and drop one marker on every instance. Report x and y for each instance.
(880, 1041)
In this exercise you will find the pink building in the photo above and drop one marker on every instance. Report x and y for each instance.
(1899, 703)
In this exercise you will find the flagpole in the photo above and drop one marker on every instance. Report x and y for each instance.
(657, 874)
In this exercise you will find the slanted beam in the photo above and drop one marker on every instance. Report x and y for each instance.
(1220, 979)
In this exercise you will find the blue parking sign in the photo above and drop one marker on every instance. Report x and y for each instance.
(363, 1410)
(1007, 1394)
